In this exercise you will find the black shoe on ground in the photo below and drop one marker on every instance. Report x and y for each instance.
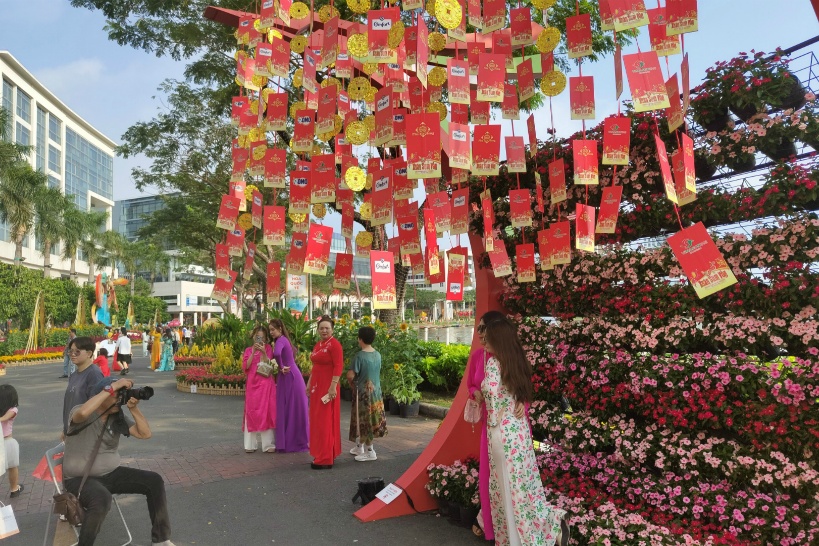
(315, 466)
(63, 376)
(17, 492)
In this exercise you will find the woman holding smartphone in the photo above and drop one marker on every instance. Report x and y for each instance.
(260, 394)
(322, 389)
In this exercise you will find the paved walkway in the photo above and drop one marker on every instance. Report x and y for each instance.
(218, 494)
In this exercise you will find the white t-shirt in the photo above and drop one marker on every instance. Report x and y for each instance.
(123, 345)
(184, 332)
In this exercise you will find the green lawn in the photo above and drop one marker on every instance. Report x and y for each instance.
(437, 398)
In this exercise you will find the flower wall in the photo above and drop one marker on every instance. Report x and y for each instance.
(694, 421)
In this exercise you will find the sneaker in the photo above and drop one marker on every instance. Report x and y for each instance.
(357, 450)
(164, 543)
(63, 376)
(368, 455)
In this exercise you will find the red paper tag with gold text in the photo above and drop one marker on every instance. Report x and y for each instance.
(383, 279)
(586, 170)
(609, 209)
(579, 35)
(557, 181)
(526, 80)
(458, 81)
(661, 42)
(486, 150)
(277, 112)
(456, 267)
(256, 209)
(681, 16)
(544, 248)
(273, 225)
(300, 192)
(317, 253)
(459, 146)
(701, 260)
(235, 241)
(228, 212)
(491, 77)
(581, 97)
(274, 281)
(665, 170)
(423, 146)
(616, 140)
(525, 262)
(515, 154)
(646, 81)
(584, 228)
(510, 109)
(499, 258)
(561, 243)
(520, 208)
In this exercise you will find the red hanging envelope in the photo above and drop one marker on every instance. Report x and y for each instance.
(520, 208)
(584, 228)
(494, 15)
(382, 197)
(701, 260)
(520, 25)
(557, 181)
(304, 130)
(383, 279)
(581, 97)
(347, 218)
(525, 262)
(629, 14)
(491, 77)
(222, 261)
(343, 271)
(279, 63)
(460, 212)
(646, 81)
(439, 202)
(235, 241)
(681, 16)
(458, 81)
(609, 209)
(678, 166)
(543, 245)
(323, 179)
(661, 42)
(459, 146)
(456, 266)
(409, 234)
(515, 154)
(228, 212)
(256, 209)
(300, 192)
(616, 140)
(317, 253)
(295, 258)
(327, 107)
(383, 116)
(561, 243)
(486, 150)
(526, 80)
(674, 112)
(273, 225)
(423, 146)
(274, 282)
(499, 258)
(250, 259)
(586, 171)
(277, 112)
(579, 35)
(606, 16)
(510, 108)
(665, 170)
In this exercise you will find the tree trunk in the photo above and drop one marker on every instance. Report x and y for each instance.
(133, 283)
(153, 278)
(46, 259)
(91, 270)
(18, 246)
(393, 316)
(73, 268)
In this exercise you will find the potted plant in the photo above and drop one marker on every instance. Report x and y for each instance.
(774, 140)
(405, 389)
(803, 124)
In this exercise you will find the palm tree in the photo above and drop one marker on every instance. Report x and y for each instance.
(20, 186)
(74, 226)
(130, 259)
(113, 248)
(50, 209)
(11, 153)
(155, 260)
(91, 223)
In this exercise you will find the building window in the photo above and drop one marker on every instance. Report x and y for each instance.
(87, 168)
(54, 159)
(53, 182)
(23, 135)
(23, 106)
(7, 106)
(41, 139)
(55, 129)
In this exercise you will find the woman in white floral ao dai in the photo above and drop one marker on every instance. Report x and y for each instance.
(520, 513)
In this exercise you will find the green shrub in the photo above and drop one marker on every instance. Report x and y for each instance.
(445, 370)
(431, 348)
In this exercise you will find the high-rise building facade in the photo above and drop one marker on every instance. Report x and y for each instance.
(76, 157)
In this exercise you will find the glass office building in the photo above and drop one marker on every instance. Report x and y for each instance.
(75, 156)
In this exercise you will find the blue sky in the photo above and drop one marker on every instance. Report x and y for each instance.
(113, 87)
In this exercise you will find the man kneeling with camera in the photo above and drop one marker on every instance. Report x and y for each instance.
(91, 448)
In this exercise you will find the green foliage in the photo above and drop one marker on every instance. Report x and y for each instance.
(443, 366)
(16, 340)
(20, 286)
(404, 382)
(231, 331)
(300, 330)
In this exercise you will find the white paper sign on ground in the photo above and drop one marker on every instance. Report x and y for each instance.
(389, 493)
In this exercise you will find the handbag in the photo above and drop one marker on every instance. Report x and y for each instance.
(8, 523)
(264, 369)
(66, 503)
(472, 412)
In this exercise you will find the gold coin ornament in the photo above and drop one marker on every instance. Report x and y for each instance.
(297, 217)
(327, 82)
(299, 10)
(259, 81)
(357, 45)
(316, 149)
(448, 13)
(357, 133)
(319, 210)
(369, 96)
(256, 134)
(543, 4)
(266, 92)
(359, 6)
(439, 108)
(338, 124)
(553, 83)
(273, 33)
(245, 221)
(358, 88)
(366, 211)
(368, 185)
(370, 68)
(249, 192)
(298, 43)
(257, 25)
(437, 76)
(396, 34)
(258, 155)
(296, 106)
(436, 41)
(355, 178)
(254, 107)
(243, 141)
(431, 7)
(327, 12)
(548, 39)
(364, 239)
(369, 121)
(298, 77)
